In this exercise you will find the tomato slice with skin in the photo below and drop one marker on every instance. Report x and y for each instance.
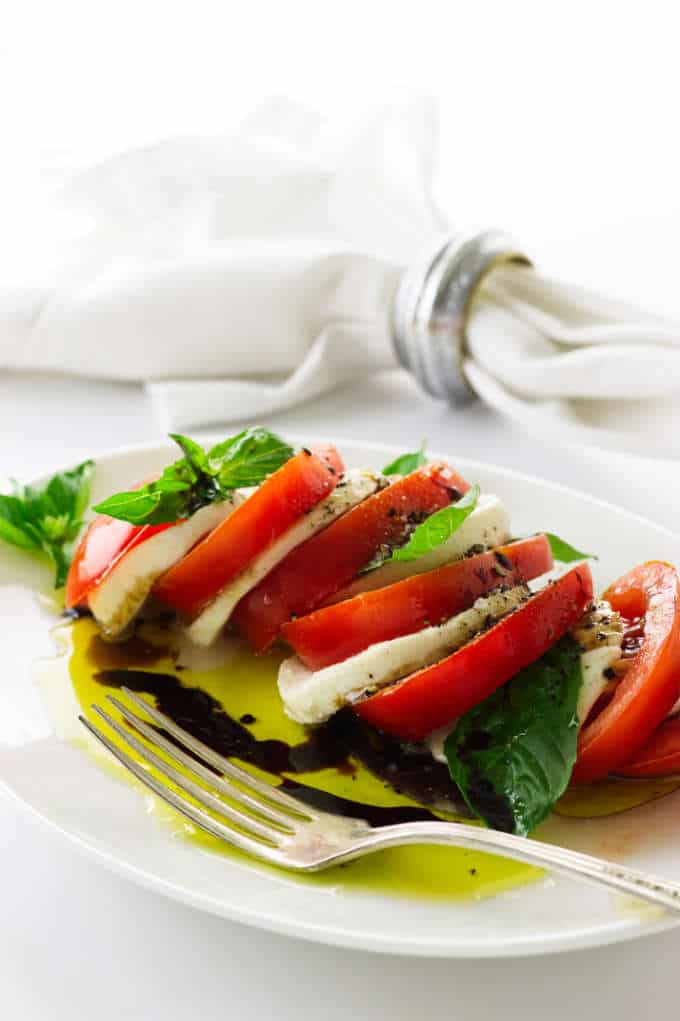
(281, 500)
(105, 542)
(659, 756)
(436, 696)
(651, 685)
(336, 632)
(330, 559)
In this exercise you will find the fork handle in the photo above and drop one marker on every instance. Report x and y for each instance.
(660, 892)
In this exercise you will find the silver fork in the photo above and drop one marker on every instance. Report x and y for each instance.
(271, 825)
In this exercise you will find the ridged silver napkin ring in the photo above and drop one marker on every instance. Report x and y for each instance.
(432, 305)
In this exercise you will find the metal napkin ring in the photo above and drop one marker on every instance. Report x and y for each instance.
(431, 309)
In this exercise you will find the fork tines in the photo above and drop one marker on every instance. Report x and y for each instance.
(243, 810)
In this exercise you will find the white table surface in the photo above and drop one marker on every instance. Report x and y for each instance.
(73, 935)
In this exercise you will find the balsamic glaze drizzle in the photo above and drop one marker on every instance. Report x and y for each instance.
(406, 769)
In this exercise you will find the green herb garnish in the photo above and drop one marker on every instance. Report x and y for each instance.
(564, 552)
(46, 519)
(439, 527)
(200, 477)
(512, 755)
(406, 463)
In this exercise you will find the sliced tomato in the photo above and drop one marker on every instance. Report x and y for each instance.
(278, 503)
(331, 558)
(436, 696)
(659, 756)
(104, 543)
(651, 685)
(337, 632)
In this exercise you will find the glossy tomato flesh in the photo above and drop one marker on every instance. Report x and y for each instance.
(105, 542)
(329, 560)
(278, 503)
(336, 632)
(651, 685)
(437, 695)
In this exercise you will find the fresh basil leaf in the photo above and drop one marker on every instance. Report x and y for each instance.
(69, 492)
(162, 502)
(56, 528)
(439, 527)
(139, 507)
(194, 454)
(13, 526)
(200, 478)
(406, 463)
(248, 458)
(512, 755)
(48, 518)
(60, 555)
(13, 535)
(81, 479)
(564, 552)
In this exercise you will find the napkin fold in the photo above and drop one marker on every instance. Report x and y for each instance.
(240, 275)
(563, 361)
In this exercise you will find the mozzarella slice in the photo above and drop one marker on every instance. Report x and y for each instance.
(355, 487)
(118, 598)
(312, 696)
(600, 634)
(436, 741)
(487, 526)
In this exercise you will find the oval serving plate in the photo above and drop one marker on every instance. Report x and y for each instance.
(69, 792)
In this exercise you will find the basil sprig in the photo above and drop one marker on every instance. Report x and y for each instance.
(200, 477)
(512, 755)
(46, 519)
(439, 527)
(406, 463)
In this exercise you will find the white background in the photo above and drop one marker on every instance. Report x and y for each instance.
(559, 123)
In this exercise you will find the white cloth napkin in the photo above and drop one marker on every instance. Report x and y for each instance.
(241, 275)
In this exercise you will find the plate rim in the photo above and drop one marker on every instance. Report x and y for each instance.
(606, 933)
(209, 434)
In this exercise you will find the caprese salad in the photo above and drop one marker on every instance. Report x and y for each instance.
(402, 597)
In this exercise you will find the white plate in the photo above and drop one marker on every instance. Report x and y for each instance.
(65, 789)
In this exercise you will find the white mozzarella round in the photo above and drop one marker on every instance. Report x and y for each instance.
(600, 634)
